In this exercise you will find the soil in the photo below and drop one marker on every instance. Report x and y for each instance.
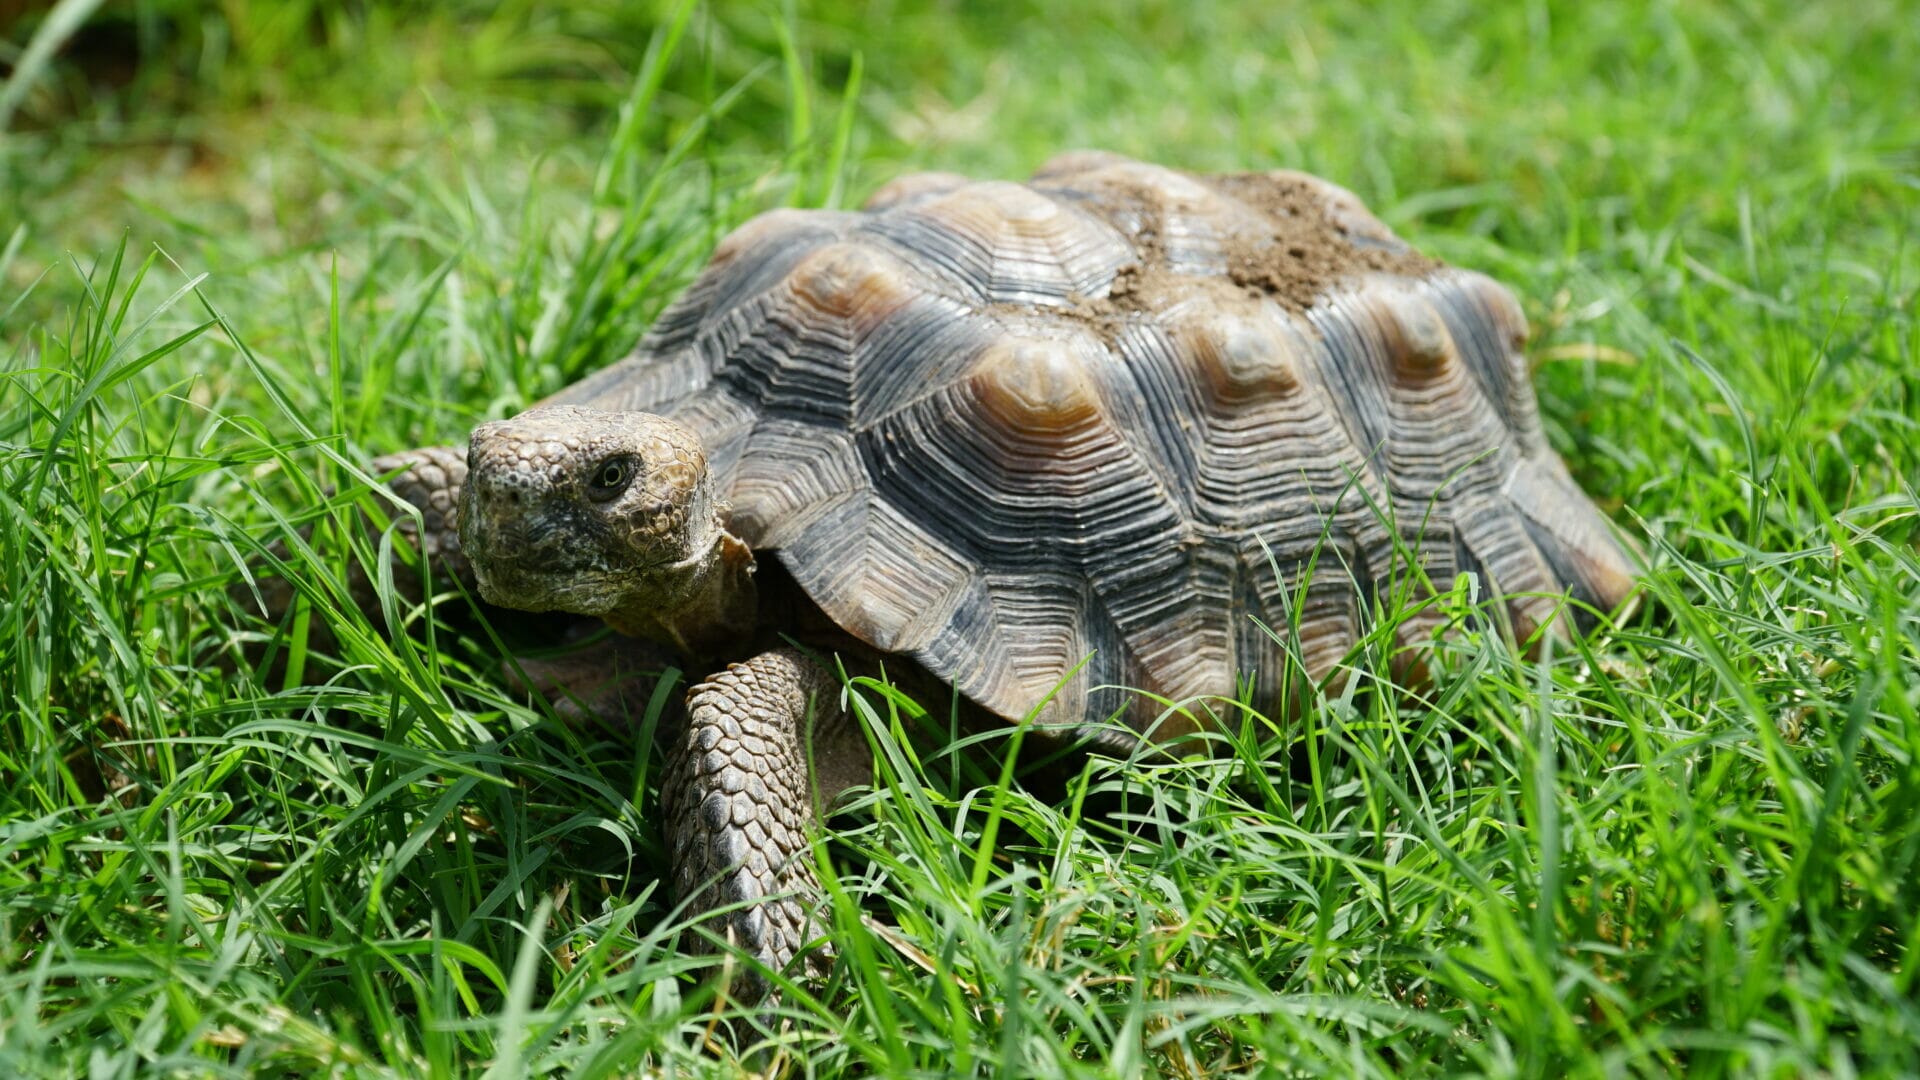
(1309, 252)
(1138, 286)
(1306, 254)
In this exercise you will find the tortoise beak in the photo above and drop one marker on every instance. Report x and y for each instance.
(525, 587)
(532, 559)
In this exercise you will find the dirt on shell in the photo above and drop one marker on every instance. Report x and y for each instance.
(1310, 251)
(1305, 253)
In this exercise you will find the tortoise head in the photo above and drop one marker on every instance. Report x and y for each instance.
(596, 513)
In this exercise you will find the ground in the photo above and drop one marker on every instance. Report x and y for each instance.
(245, 247)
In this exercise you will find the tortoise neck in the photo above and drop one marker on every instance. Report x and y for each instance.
(710, 614)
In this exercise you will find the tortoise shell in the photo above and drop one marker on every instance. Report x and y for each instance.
(1106, 428)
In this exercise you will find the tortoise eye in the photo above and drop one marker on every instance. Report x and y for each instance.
(610, 478)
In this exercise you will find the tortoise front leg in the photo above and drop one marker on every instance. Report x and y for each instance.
(431, 482)
(766, 750)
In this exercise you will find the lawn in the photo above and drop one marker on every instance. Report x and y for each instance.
(246, 247)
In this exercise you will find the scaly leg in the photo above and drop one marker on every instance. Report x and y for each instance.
(766, 751)
(431, 483)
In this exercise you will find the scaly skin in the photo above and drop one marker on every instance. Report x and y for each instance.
(766, 752)
(608, 683)
(650, 554)
(613, 514)
(431, 483)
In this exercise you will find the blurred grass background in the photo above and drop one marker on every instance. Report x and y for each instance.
(1689, 847)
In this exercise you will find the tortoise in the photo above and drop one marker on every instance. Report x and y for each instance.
(1039, 442)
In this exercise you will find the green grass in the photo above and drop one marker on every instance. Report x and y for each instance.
(243, 250)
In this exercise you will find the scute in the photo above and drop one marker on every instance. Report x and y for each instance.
(1107, 430)
(1006, 243)
(1176, 216)
(892, 584)
(1033, 384)
(1243, 354)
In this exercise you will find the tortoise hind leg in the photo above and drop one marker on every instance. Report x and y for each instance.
(766, 750)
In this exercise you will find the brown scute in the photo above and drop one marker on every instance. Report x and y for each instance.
(1074, 162)
(1416, 337)
(904, 586)
(1311, 238)
(1117, 420)
(1503, 311)
(1240, 356)
(1007, 243)
(1142, 285)
(846, 281)
(796, 473)
(1035, 385)
(759, 233)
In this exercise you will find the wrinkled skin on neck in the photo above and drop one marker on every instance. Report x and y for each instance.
(611, 515)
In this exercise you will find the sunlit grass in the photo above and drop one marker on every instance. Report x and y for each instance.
(285, 242)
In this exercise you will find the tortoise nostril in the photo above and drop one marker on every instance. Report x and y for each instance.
(502, 492)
